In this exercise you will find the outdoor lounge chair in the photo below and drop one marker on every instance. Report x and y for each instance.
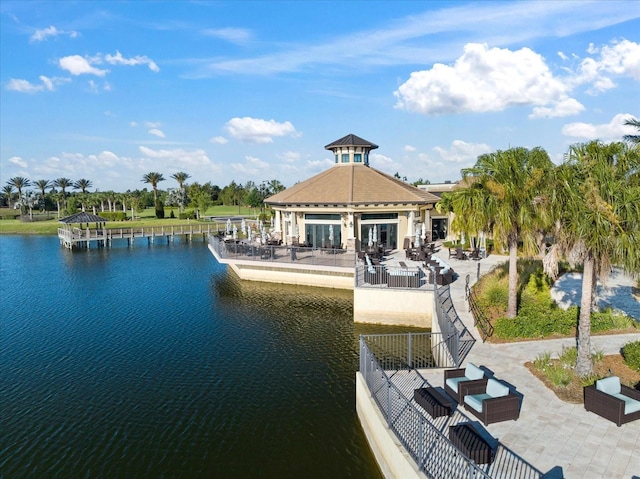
(454, 378)
(612, 400)
(460, 254)
(374, 273)
(493, 402)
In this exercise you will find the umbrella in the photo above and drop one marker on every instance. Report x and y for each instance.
(249, 235)
(297, 230)
(331, 234)
(229, 225)
(370, 237)
(244, 227)
(424, 230)
(417, 242)
(235, 232)
(374, 237)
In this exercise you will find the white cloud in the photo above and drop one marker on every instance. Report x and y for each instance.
(133, 123)
(256, 130)
(77, 65)
(233, 35)
(409, 148)
(45, 33)
(256, 162)
(118, 59)
(24, 86)
(566, 107)
(157, 132)
(251, 167)
(152, 124)
(179, 157)
(612, 131)
(219, 140)
(462, 152)
(16, 160)
(482, 80)
(290, 156)
(620, 58)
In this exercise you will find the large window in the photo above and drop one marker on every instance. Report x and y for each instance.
(345, 157)
(379, 216)
(385, 235)
(357, 158)
(323, 235)
(322, 217)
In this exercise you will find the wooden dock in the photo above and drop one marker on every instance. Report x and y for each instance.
(74, 237)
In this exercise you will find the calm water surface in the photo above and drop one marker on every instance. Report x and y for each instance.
(152, 361)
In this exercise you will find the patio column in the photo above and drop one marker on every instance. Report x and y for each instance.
(278, 224)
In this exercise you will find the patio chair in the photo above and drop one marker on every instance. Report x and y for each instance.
(460, 254)
(374, 274)
(493, 402)
(452, 253)
(475, 254)
(454, 378)
(612, 400)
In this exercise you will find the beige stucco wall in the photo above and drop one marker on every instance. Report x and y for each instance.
(401, 307)
(392, 457)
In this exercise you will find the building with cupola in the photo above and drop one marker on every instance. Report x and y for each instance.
(341, 206)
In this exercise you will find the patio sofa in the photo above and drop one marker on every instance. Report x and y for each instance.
(455, 379)
(493, 402)
(612, 400)
(374, 273)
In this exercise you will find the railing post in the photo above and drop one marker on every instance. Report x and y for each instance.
(409, 344)
(388, 404)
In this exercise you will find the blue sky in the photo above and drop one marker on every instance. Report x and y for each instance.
(109, 91)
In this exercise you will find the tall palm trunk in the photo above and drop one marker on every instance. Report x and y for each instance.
(584, 365)
(512, 307)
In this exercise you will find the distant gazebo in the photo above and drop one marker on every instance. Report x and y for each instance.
(71, 233)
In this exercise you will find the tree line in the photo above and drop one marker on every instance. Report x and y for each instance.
(57, 195)
(585, 211)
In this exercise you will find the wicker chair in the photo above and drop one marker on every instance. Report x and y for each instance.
(454, 379)
(612, 400)
(493, 402)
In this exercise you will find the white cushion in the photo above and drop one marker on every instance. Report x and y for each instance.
(475, 401)
(496, 389)
(630, 404)
(610, 385)
(473, 372)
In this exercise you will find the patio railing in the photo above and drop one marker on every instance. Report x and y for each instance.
(388, 365)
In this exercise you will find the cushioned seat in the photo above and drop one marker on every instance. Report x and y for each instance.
(492, 402)
(612, 400)
(454, 377)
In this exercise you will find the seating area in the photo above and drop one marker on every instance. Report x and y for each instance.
(486, 398)
(493, 402)
(613, 401)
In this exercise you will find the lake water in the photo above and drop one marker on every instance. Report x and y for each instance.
(153, 361)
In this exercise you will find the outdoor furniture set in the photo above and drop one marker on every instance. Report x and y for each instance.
(486, 398)
(612, 400)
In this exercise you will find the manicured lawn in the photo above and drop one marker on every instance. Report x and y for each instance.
(144, 218)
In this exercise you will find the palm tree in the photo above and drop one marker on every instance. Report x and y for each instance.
(42, 186)
(18, 182)
(63, 184)
(633, 138)
(501, 199)
(154, 178)
(596, 199)
(82, 185)
(8, 191)
(181, 177)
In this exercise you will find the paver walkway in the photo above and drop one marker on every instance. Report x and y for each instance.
(558, 438)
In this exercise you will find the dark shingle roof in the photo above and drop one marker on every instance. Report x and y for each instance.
(351, 140)
(83, 217)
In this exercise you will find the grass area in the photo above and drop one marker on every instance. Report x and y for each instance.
(557, 373)
(144, 218)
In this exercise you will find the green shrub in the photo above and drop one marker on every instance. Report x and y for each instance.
(631, 354)
(609, 319)
(114, 215)
(187, 215)
(542, 361)
(569, 357)
(559, 376)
